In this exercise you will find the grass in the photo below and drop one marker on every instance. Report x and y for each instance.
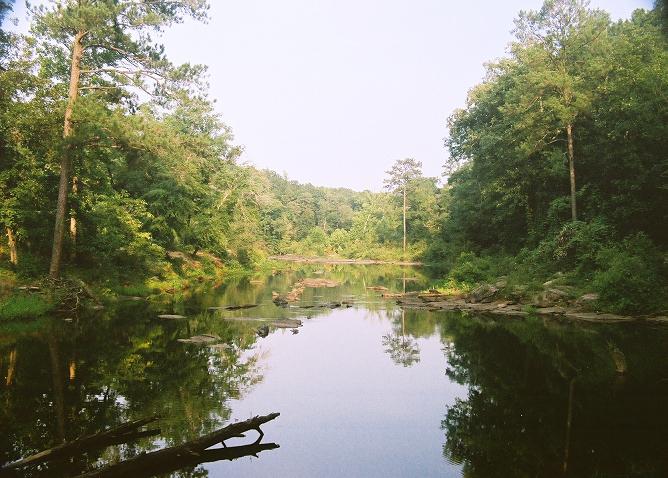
(23, 306)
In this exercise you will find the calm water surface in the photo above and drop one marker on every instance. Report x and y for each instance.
(368, 390)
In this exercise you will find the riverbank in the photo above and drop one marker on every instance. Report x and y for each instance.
(434, 301)
(180, 275)
(338, 260)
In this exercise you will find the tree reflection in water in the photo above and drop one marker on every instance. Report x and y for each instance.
(547, 400)
(403, 350)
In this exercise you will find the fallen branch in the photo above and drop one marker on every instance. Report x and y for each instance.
(114, 436)
(191, 453)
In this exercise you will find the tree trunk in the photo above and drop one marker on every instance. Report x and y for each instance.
(66, 160)
(13, 253)
(571, 168)
(404, 219)
(73, 220)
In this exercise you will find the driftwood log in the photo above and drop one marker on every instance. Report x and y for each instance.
(191, 453)
(114, 436)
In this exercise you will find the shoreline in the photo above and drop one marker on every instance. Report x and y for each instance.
(336, 260)
(442, 302)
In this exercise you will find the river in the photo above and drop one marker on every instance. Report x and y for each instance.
(363, 388)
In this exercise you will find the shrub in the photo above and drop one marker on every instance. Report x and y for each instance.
(575, 247)
(632, 277)
(470, 269)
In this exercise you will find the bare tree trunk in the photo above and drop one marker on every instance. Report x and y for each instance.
(571, 168)
(13, 253)
(404, 219)
(66, 160)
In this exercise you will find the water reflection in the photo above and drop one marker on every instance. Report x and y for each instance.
(402, 350)
(512, 397)
(546, 399)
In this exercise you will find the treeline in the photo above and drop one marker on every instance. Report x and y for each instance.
(310, 220)
(122, 150)
(557, 162)
(559, 158)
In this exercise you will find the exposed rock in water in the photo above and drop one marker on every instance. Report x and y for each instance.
(318, 283)
(233, 307)
(171, 316)
(286, 323)
(377, 287)
(280, 301)
(263, 331)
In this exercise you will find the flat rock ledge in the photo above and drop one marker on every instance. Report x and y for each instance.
(436, 302)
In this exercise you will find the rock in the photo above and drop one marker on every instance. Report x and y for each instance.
(587, 299)
(317, 283)
(294, 331)
(501, 282)
(551, 297)
(377, 287)
(233, 307)
(483, 293)
(550, 310)
(263, 331)
(280, 301)
(433, 297)
(287, 323)
(171, 316)
(200, 339)
(518, 292)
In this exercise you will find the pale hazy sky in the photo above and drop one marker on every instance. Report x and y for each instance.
(333, 91)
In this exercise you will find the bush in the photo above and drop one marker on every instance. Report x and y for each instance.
(574, 248)
(632, 277)
(470, 269)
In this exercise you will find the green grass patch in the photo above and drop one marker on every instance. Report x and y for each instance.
(23, 307)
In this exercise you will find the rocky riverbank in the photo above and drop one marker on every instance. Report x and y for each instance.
(485, 299)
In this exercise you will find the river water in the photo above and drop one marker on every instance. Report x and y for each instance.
(365, 389)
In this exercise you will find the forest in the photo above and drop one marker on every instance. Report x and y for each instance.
(116, 169)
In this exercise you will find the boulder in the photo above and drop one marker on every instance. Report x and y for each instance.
(587, 300)
(484, 293)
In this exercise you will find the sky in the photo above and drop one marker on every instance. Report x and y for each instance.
(332, 92)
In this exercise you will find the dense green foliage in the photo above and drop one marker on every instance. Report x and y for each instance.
(509, 184)
(155, 171)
